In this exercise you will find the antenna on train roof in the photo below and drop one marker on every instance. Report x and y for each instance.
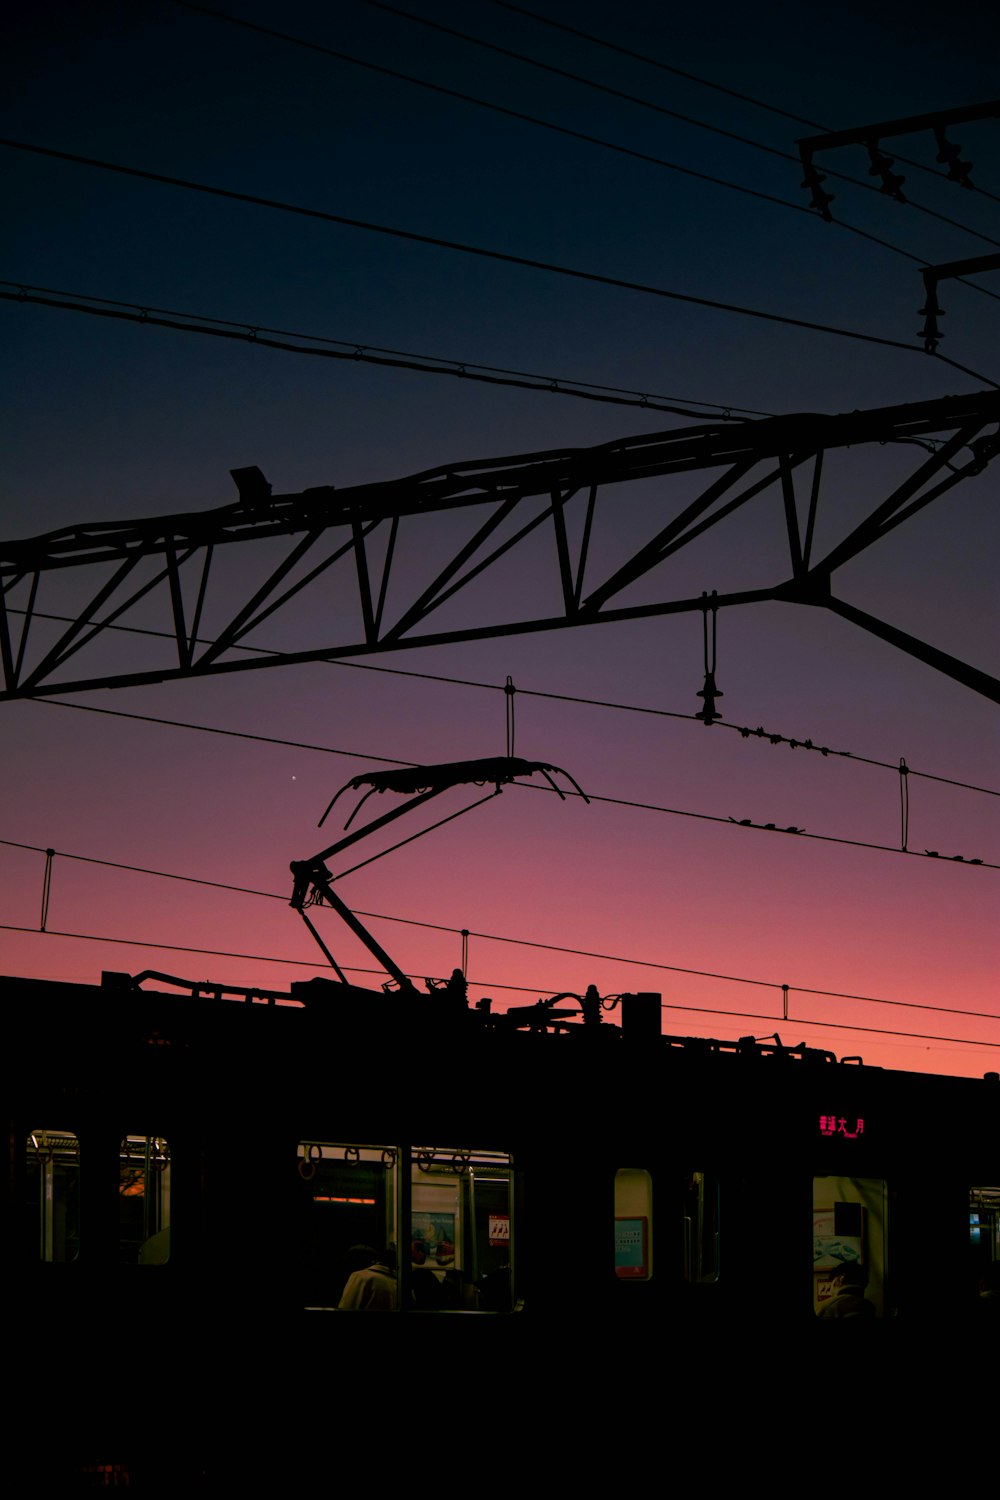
(313, 882)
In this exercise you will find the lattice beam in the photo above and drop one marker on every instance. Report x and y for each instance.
(169, 565)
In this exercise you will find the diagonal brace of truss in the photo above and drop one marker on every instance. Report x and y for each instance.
(349, 548)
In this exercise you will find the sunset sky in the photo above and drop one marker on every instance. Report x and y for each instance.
(111, 420)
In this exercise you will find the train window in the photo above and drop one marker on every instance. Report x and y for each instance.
(144, 1200)
(633, 1224)
(52, 1176)
(984, 1245)
(984, 1223)
(455, 1201)
(701, 1228)
(850, 1224)
(461, 1241)
(348, 1196)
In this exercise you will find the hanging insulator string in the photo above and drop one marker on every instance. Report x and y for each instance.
(904, 803)
(708, 714)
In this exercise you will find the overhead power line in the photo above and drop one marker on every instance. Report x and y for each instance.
(654, 62)
(636, 708)
(234, 734)
(501, 109)
(573, 77)
(616, 958)
(707, 83)
(791, 832)
(601, 142)
(590, 139)
(490, 984)
(314, 345)
(676, 812)
(429, 364)
(743, 730)
(354, 353)
(661, 109)
(480, 251)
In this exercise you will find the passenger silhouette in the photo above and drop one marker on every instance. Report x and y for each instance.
(848, 1300)
(373, 1288)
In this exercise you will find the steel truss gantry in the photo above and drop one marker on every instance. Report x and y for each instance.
(170, 562)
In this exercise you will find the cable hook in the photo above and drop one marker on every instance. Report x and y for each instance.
(509, 691)
(50, 855)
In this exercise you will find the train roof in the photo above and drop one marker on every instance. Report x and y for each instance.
(182, 1011)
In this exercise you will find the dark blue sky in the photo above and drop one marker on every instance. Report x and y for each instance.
(107, 420)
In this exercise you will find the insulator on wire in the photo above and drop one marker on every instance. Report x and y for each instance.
(821, 199)
(949, 154)
(708, 714)
(881, 166)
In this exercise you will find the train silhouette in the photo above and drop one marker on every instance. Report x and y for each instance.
(195, 1170)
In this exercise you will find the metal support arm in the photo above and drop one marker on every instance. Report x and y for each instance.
(349, 544)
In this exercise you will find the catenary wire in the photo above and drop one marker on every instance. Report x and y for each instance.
(592, 797)
(603, 88)
(580, 135)
(590, 83)
(254, 333)
(675, 812)
(718, 88)
(632, 708)
(480, 251)
(653, 62)
(492, 937)
(844, 1026)
(661, 713)
(502, 109)
(356, 347)
(251, 333)
(793, 832)
(236, 734)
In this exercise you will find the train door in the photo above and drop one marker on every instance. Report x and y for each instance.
(701, 1238)
(461, 1244)
(144, 1200)
(984, 1246)
(633, 1224)
(850, 1235)
(667, 1233)
(52, 1189)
